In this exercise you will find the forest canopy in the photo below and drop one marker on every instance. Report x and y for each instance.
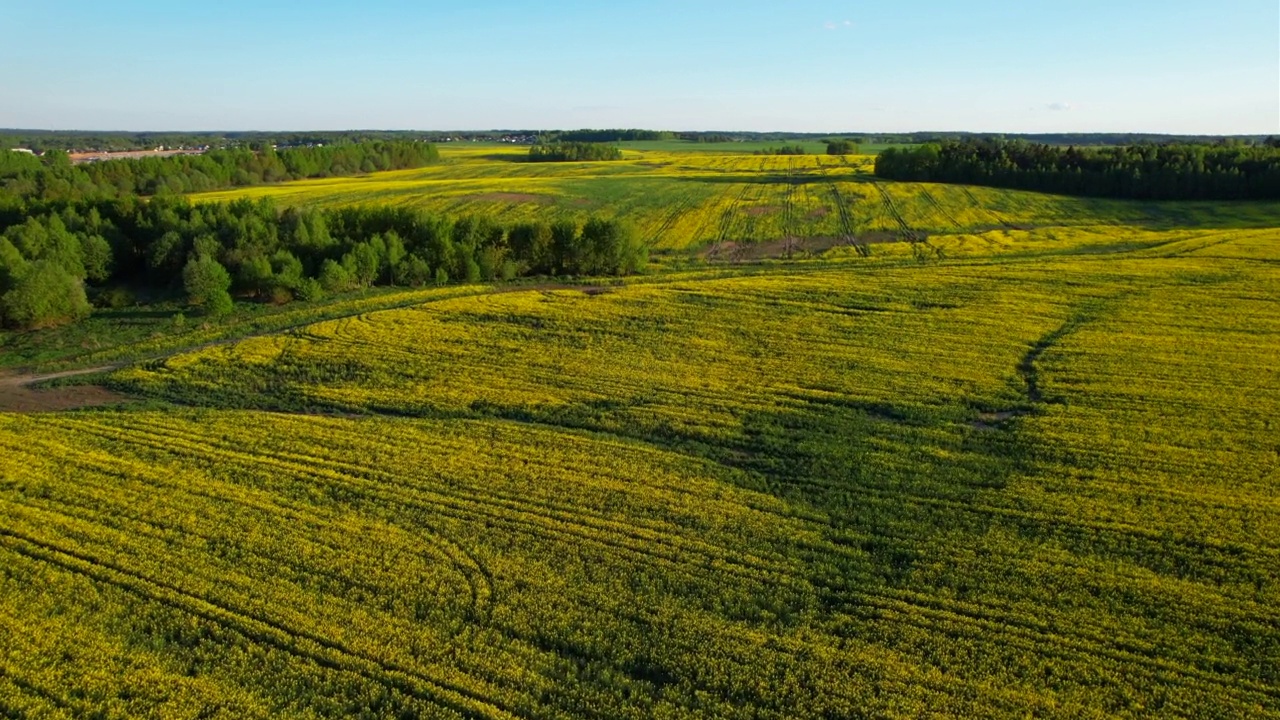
(24, 176)
(68, 232)
(213, 251)
(1142, 172)
(573, 152)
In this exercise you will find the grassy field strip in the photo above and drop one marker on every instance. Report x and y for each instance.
(646, 186)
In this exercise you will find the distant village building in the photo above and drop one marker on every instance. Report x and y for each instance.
(28, 151)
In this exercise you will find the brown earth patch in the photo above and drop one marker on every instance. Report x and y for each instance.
(995, 420)
(18, 396)
(818, 213)
(508, 197)
(80, 158)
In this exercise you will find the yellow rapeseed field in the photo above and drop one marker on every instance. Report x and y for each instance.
(1027, 465)
(694, 200)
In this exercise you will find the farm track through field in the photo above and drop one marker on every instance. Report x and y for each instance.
(1027, 367)
(938, 615)
(1190, 251)
(50, 697)
(551, 508)
(729, 215)
(18, 395)
(790, 231)
(466, 565)
(848, 232)
(685, 205)
(1034, 478)
(937, 206)
(996, 218)
(972, 614)
(914, 237)
(136, 525)
(468, 507)
(304, 645)
(709, 219)
(892, 209)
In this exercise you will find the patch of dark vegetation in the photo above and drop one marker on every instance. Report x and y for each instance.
(1140, 172)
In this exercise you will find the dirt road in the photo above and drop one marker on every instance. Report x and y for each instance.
(17, 395)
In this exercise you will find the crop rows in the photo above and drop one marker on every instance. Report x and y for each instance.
(684, 201)
(1025, 464)
(831, 490)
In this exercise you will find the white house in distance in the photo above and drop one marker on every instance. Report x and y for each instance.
(25, 150)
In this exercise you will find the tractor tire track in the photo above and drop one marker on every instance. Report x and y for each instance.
(304, 645)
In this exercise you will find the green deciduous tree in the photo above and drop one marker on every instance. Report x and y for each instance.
(43, 294)
(207, 283)
(334, 277)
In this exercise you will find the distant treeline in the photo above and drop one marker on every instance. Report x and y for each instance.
(784, 150)
(42, 140)
(842, 147)
(167, 245)
(834, 147)
(1147, 172)
(573, 152)
(53, 178)
(45, 140)
(1064, 139)
(916, 138)
(609, 136)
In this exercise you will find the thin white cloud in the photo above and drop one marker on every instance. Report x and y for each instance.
(829, 25)
(1059, 106)
(833, 25)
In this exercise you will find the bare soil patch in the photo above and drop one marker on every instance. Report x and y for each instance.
(995, 420)
(79, 158)
(18, 396)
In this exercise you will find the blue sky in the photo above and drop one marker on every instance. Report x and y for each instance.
(1028, 66)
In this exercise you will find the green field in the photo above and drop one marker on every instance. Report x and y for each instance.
(682, 201)
(812, 147)
(1027, 465)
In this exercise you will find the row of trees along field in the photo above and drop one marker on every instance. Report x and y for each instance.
(834, 147)
(842, 147)
(167, 245)
(783, 150)
(607, 136)
(1147, 172)
(573, 152)
(52, 178)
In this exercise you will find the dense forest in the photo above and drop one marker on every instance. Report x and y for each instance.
(72, 234)
(573, 152)
(52, 178)
(167, 246)
(1145, 172)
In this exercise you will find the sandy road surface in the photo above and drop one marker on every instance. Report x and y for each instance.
(17, 395)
